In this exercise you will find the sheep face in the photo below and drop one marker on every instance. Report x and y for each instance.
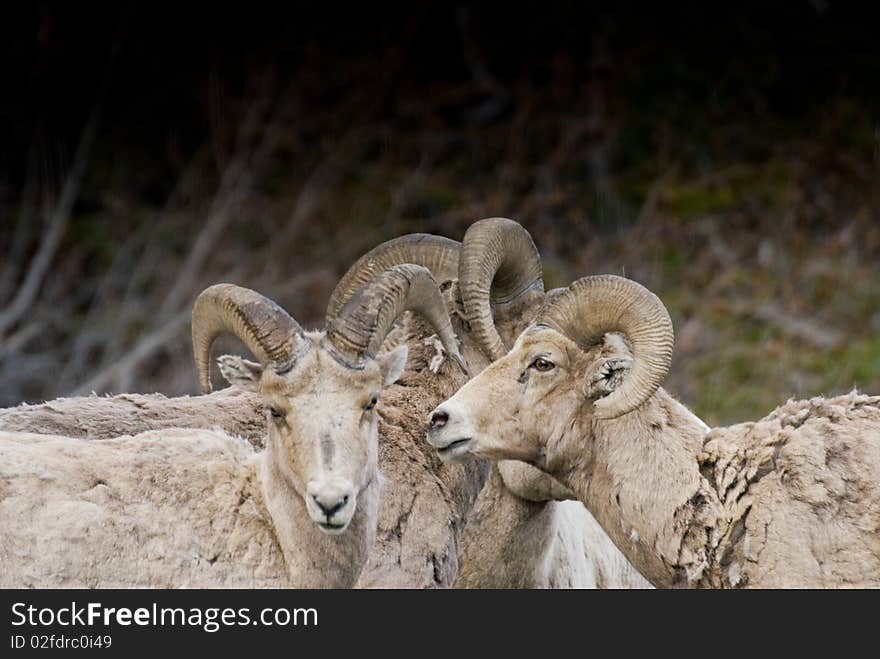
(533, 402)
(322, 426)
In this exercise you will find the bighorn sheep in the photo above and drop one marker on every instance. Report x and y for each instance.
(792, 500)
(199, 508)
(426, 503)
(521, 533)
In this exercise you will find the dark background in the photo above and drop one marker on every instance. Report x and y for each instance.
(727, 159)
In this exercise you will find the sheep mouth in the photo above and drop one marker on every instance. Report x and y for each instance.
(458, 447)
(330, 527)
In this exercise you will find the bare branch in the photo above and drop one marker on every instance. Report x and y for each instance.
(145, 348)
(235, 185)
(26, 294)
(19, 338)
(23, 229)
(60, 216)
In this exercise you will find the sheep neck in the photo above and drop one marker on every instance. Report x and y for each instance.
(644, 487)
(316, 559)
(522, 533)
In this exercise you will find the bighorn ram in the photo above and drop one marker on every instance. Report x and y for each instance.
(792, 500)
(425, 503)
(522, 534)
(199, 508)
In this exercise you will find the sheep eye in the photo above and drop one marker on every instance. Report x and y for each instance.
(371, 404)
(542, 365)
(277, 414)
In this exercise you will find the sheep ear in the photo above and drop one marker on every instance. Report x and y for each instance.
(610, 368)
(607, 376)
(392, 364)
(240, 372)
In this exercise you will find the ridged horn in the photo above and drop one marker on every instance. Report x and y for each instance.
(358, 330)
(268, 330)
(499, 262)
(595, 305)
(436, 253)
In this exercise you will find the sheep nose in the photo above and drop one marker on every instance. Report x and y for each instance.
(438, 420)
(329, 496)
(330, 505)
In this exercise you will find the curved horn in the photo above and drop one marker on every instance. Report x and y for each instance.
(267, 329)
(499, 262)
(359, 329)
(438, 254)
(595, 305)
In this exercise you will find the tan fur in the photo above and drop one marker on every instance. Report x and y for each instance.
(792, 500)
(166, 508)
(426, 503)
(233, 410)
(302, 451)
(322, 422)
(521, 533)
(527, 540)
